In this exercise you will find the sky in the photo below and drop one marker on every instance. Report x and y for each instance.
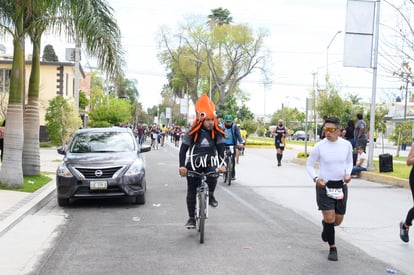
(299, 34)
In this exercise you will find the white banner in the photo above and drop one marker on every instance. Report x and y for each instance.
(359, 33)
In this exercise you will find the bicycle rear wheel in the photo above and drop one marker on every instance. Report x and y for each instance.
(202, 217)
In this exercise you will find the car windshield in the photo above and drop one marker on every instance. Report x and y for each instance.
(102, 142)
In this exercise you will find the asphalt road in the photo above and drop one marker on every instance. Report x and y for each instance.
(266, 223)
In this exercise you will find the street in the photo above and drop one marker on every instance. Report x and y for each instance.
(267, 222)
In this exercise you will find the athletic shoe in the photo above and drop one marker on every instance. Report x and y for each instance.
(333, 254)
(279, 164)
(212, 201)
(404, 233)
(191, 223)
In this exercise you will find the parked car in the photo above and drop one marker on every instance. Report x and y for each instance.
(300, 135)
(101, 163)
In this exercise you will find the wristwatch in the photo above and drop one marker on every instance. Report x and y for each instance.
(315, 179)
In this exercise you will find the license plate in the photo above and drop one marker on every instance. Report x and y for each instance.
(98, 185)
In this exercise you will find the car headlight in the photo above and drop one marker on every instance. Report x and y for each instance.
(63, 171)
(136, 168)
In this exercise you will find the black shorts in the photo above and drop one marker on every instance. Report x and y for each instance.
(279, 145)
(326, 203)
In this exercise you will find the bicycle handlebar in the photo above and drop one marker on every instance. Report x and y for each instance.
(196, 174)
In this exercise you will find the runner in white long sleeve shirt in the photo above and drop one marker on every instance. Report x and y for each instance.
(334, 155)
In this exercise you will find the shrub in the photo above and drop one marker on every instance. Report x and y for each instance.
(302, 154)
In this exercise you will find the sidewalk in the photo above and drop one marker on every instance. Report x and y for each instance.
(15, 205)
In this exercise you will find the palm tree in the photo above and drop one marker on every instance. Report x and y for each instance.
(90, 21)
(12, 22)
(355, 99)
(36, 22)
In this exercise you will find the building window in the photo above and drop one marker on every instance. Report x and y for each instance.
(4, 80)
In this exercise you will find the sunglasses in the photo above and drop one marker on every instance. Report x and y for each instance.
(330, 129)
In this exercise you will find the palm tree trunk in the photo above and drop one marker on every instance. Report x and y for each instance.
(11, 173)
(31, 153)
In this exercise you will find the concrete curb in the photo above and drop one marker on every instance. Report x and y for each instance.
(26, 206)
(366, 175)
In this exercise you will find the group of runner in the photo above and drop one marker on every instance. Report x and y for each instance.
(158, 134)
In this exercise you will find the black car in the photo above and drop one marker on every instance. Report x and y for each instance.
(101, 163)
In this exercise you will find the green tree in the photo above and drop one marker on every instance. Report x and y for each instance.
(294, 119)
(250, 126)
(61, 120)
(118, 111)
(83, 100)
(97, 91)
(402, 134)
(223, 54)
(49, 54)
(380, 123)
(220, 17)
(330, 103)
(236, 107)
(355, 99)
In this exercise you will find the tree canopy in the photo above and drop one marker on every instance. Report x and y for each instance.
(214, 57)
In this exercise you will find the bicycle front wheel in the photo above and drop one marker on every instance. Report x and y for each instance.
(202, 217)
(229, 171)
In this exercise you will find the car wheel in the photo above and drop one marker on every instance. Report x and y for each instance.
(139, 199)
(63, 202)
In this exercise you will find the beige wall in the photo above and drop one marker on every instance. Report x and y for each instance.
(48, 84)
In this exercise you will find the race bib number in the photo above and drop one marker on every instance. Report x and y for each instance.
(334, 193)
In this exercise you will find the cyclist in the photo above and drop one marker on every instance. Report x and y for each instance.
(232, 138)
(204, 141)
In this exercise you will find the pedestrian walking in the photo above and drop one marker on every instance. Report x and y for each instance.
(334, 155)
(405, 225)
(360, 132)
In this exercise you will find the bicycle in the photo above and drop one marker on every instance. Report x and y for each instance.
(228, 158)
(202, 197)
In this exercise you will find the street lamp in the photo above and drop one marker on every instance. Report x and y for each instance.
(327, 53)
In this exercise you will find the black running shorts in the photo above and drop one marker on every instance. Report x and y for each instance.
(326, 203)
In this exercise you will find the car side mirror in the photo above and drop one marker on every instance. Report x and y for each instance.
(145, 149)
(61, 150)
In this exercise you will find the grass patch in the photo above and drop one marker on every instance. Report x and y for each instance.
(46, 144)
(260, 141)
(30, 184)
(266, 141)
(400, 170)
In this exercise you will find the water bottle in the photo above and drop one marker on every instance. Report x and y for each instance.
(391, 271)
